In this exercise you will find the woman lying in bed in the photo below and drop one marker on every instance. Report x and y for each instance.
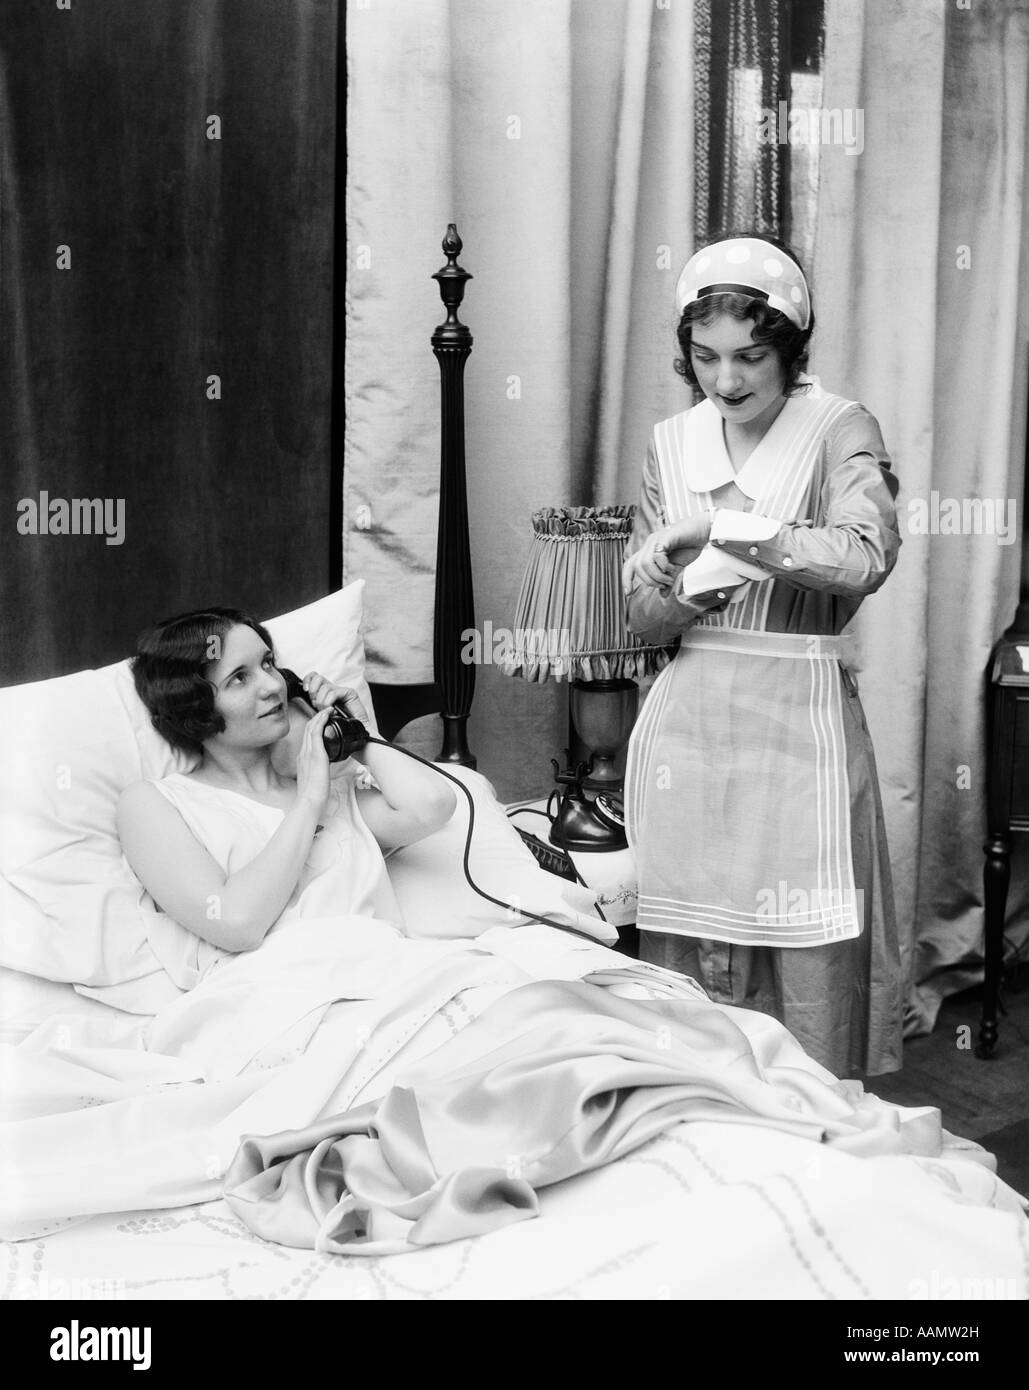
(210, 683)
(396, 1077)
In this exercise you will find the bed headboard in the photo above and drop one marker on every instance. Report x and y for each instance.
(451, 691)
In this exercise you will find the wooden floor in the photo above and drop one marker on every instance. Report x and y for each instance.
(985, 1100)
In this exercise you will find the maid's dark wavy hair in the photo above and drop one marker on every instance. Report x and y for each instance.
(168, 670)
(771, 327)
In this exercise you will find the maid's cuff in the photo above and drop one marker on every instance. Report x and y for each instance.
(713, 573)
(742, 527)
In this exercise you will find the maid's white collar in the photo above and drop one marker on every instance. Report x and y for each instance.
(708, 466)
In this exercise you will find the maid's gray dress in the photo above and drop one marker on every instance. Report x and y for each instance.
(752, 800)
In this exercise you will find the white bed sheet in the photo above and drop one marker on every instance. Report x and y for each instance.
(704, 1211)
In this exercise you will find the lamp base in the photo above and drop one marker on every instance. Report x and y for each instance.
(601, 716)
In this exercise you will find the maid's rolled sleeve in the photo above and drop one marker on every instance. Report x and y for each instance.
(855, 545)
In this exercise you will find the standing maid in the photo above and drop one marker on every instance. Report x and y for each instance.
(767, 514)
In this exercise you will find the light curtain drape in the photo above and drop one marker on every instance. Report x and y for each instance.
(916, 289)
(557, 135)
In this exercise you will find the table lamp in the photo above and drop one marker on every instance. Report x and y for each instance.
(570, 625)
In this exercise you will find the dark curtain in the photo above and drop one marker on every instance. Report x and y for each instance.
(187, 257)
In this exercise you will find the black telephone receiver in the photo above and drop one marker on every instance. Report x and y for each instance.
(342, 735)
(294, 688)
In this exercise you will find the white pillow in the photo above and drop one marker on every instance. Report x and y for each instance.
(70, 907)
(435, 898)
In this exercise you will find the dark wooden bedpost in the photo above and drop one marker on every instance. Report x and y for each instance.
(455, 611)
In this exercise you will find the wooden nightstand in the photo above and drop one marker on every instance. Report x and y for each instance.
(1007, 779)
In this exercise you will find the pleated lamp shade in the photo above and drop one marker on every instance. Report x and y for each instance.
(570, 618)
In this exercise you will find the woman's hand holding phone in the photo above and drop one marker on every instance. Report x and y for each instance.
(323, 695)
(313, 763)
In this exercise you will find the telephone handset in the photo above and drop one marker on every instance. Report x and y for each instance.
(342, 735)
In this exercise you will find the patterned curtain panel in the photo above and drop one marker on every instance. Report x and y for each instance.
(758, 118)
(743, 66)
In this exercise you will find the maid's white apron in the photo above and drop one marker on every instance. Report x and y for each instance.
(737, 796)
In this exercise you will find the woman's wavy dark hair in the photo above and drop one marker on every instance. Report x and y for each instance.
(770, 326)
(168, 670)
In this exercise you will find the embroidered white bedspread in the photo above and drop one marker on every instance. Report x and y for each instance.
(706, 1211)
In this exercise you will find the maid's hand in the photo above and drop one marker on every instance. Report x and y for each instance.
(652, 564)
(651, 567)
(665, 551)
(692, 532)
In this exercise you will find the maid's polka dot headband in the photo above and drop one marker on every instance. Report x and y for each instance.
(746, 265)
